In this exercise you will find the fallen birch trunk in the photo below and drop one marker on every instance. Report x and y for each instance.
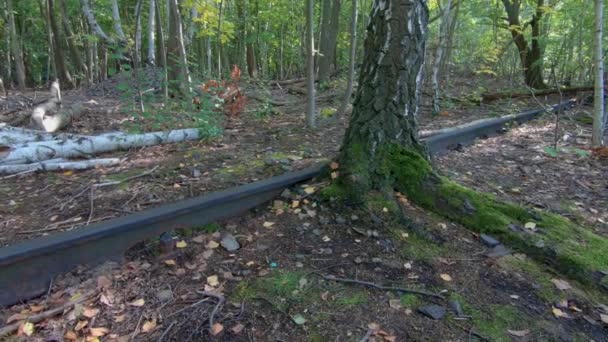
(59, 164)
(87, 146)
(65, 115)
(430, 133)
(10, 135)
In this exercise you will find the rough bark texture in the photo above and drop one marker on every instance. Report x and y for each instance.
(351, 63)
(598, 101)
(387, 99)
(530, 55)
(88, 13)
(117, 23)
(151, 34)
(16, 46)
(439, 52)
(62, 71)
(310, 65)
(71, 39)
(329, 35)
(177, 68)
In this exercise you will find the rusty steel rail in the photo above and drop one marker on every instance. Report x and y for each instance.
(27, 268)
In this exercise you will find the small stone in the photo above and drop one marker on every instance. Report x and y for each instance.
(260, 247)
(300, 256)
(340, 220)
(354, 217)
(317, 232)
(498, 251)
(323, 220)
(299, 264)
(376, 260)
(540, 244)
(196, 173)
(164, 295)
(358, 260)
(230, 243)
(489, 241)
(456, 308)
(286, 194)
(435, 312)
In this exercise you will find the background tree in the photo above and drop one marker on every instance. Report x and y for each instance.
(598, 109)
(310, 65)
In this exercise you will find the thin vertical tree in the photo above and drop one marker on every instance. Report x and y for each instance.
(310, 65)
(439, 52)
(151, 59)
(16, 46)
(598, 57)
(352, 57)
(65, 79)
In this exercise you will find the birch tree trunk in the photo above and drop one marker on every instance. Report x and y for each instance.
(117, 23)
(351, 64)
(437, 61)
(88, 13)
(16, 47)
(151, 32)
(310, 65)
(137, 54)
(598, 101)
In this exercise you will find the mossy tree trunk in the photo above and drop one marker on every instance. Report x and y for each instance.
(381, 153)
(386, 102)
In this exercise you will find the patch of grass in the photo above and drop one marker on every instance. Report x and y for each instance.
(122, 176)
(498, 320)
(353, 299)
(241, 168)
(327, 112)
(209, 228)
(411, 301)
(282, 289)
(546, 289)
(418, 248)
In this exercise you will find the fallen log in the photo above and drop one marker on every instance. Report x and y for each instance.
(488, 97)
(59, 165)
(87, 146)
(268, 100)
(287, 82)
(65, 115)
(430, 133)
(297, 90)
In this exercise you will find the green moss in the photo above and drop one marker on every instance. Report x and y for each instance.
(546, 290)
(282, 289)
(242, 168)
(411, 301)
(498, 320)
(208, 228)
(328, 112)
(352, 298)
(377, 202)
(418, 248)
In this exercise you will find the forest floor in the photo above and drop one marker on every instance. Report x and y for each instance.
(274, 282)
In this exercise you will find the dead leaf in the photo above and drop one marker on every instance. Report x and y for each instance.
(519, 333)
(170, 262)
(90, 312)
(309, 190)
(36, 308)
(395, 304)
(237, 328)
(530, 225)
(604, 318)
(181, 244)
(212, 244)
(70, 335)
(26, 328)
(213, 280)
(216, 329)
(561, 284)
(138, 302)
(107, 299)
(559, 313)
(98, 332)
(16, 317)
(149, 326)
(335, 175)
(80, 325)
(334, 165)
(445, 277)
(268, 224)
(373, 326)
(199, 239)
(92, 339)
(119, 318)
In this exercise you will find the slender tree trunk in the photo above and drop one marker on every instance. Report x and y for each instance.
(441, 46)
(71, 39)
(50, 68)
(219, 39)
(117, 23)
(310, 65)
(598, 110)
(65, 79)
(16, 47)
(163, 52)
(352, 59)
(329, 36)
(88, 13)
(151, 31)
(178, 77)
(138, 34)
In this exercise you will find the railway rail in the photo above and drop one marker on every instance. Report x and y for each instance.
(26, 268)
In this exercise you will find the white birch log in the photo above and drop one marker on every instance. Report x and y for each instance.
(54, 122)
(10, 135)
(91, 145)
(59, 164)
(429, 133)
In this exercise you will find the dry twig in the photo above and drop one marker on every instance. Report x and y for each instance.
(384, 288)
(220, 301)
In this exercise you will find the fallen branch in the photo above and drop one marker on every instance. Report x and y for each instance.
(268, 100)
(220, 301)
(297, 91)
(59, 164)
(286, 82)
(6, 330)
(384, 288)
(488, 97)
(92, 145)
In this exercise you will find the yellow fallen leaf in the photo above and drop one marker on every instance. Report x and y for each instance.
(181, 244)
(70, 335)
(309, 190)
(530, 225)
(295, 204)
(170, 262)
(212, 245)
(558, 313)
(335, 175)
(213, 280)
(93, 339)
(27, 328)
(445, 277)
(138, 302)
(216, 329)
(119, 318)
(98, 332)
(36, 308)
(80, 325)
(149, 326)
(268, 224)
(334, 165)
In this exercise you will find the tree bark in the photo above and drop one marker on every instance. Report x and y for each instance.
(151, 32)
(530, 55)
(177, 68)
(351, 64)
(329, 36)
(387, 99)
(117, 23)
(437, 61)
(598, 101)
(88, 13)
(16, 47)
(62, 71)
(71, 39)
(310, 65)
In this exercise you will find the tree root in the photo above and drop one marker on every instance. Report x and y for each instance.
(384, 288)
